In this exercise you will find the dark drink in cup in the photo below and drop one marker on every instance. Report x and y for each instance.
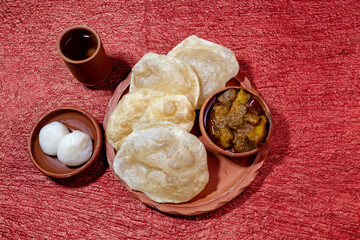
(79, 44)
(82, 51)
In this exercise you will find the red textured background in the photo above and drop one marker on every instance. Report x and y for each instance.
(302, 56)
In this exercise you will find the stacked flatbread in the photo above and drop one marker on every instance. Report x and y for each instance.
(150, 125)
(213, 64)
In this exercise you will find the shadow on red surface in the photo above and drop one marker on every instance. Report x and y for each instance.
(119, 70)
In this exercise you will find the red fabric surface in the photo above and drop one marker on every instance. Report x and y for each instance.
(303, 58)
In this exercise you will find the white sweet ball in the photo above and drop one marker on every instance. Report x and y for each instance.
(50, 135)
(75, 148)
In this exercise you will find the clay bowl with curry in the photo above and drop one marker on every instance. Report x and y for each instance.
(235, 122)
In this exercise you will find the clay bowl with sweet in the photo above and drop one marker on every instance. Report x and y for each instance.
(73, 119)
(235, 122)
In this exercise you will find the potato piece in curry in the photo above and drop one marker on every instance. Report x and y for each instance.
(236, 121)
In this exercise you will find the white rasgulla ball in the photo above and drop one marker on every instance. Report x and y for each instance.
(75, 148)
(50, 135)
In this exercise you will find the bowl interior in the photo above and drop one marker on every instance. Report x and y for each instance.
(74, 119)
(204, 115)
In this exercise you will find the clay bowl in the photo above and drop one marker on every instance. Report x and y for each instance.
(74, 119)
(229, 176)
(205, 109)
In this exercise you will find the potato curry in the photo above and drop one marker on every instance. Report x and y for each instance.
(236, 121)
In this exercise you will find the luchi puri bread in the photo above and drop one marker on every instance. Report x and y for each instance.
(165, 162)
(213, 64)
(146, 106)
(165, 73)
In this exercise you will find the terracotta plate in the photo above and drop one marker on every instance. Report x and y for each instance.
(228, 176)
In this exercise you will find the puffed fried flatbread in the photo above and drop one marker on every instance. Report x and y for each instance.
(165, 162)
(214, 64)
(165, 73)
(170, 107)
(146, 106)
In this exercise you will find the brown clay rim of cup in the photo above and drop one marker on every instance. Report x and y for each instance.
(80, 119)
(204, 110)
(77, 27)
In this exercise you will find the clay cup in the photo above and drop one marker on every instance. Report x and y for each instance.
(81, 49)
